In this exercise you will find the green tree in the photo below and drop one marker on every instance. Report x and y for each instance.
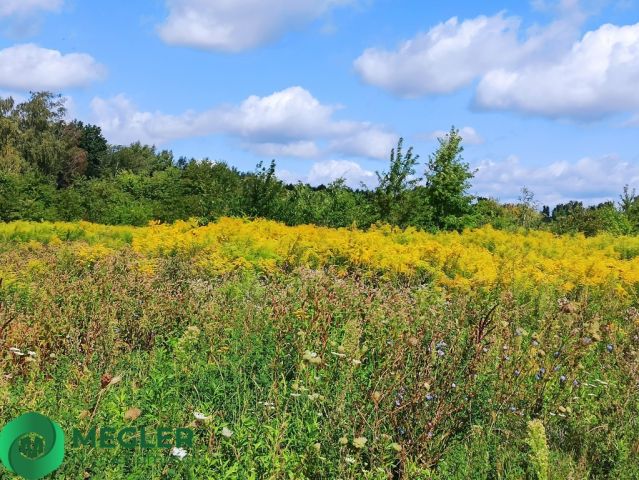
(262, 192)
(94, 144)
(447, 183)
(392, 196)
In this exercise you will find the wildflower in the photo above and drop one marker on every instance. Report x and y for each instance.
(314, 396)
(31, 353)
(343, 440)
(517, 373)
(610, 348)
(180, 453)
(227, 432)
(312, 357)
(201, 417)
(350, 460)
(396, 446)
(441, 353)
(356, 362)
(562, 379)
(359, 442)
(430, 396)
(454, 385)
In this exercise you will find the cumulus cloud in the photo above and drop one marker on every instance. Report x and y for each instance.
(30, 67)
(469, 134)
(236, 25)
(592, 180)
(447, 57)
(26, 7)
(598, 76)
(325, 172)
(289, 123)
(552, 71)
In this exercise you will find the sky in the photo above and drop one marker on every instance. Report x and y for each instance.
(544, 92)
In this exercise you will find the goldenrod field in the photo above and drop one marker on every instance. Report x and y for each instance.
(308, 352)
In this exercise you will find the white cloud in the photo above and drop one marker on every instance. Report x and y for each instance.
(447, 57)
(301, 149)
(365, 140)
(592, 180)
(289, 123)
(236, 25)
(29, 67)
(25, 7)
(552, 71)
(469, 134)
(598, 76)
(328, 171)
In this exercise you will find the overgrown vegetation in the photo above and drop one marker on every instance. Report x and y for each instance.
(312, 353)
(54, 169)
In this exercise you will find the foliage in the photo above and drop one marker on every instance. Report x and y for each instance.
(55, 169)
(316, 353)
(448, 181)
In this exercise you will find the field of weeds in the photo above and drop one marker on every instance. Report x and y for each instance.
(313, 353)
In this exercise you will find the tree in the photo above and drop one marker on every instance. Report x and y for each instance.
(528, 214)
(629, 204)
(394, 204)
(94, 144)
(262, 189)
(448, 181)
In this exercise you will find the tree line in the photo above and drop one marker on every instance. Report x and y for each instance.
(52, 168)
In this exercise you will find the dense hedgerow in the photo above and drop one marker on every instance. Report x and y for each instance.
(317, 353)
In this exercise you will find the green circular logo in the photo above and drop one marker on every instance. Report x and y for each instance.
(32, 446)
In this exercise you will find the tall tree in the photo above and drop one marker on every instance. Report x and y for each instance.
(392, 196)
(448, 181)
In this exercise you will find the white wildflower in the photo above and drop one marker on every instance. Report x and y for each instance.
(180, 453)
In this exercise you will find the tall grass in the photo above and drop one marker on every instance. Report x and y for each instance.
(316, 373)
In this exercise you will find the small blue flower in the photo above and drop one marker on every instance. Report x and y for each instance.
(610, 348)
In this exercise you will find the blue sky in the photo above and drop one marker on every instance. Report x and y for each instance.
(544, 92)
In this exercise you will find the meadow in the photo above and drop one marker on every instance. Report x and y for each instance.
(316, 353)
